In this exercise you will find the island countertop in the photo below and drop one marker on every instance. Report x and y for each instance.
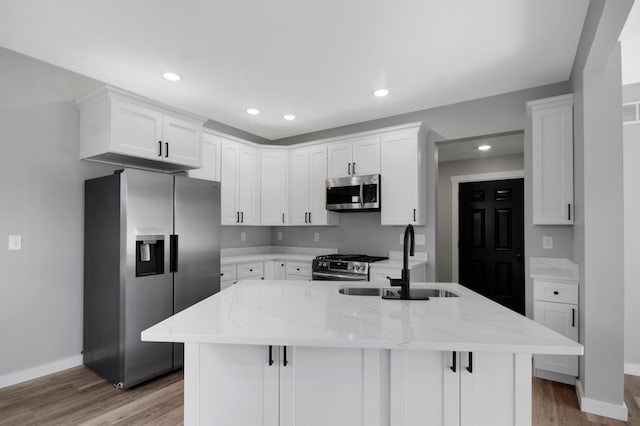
(303, 313)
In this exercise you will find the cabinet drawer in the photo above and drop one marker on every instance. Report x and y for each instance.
(250, 269)
(298, 268)
(227, 272)
(555, 291)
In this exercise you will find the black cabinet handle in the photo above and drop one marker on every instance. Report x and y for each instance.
(556, 292)
(173, 256)
(250, 270)
(349, 169)
(282, 217)
(470, 366)
(241, 217)
(262, 278)
(285, 362)
(237, 217)
(305, 217)
(166, 152)
(282, 264)
(414, 215)
(453, 362)
(270, 355)
(354, 168)
(297, 269)
(568, 211)
(159, 148)
(222, 274)
(573, 317)
(310, 217)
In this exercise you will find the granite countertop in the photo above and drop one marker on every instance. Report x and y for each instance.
(553, 269)
(299, 314)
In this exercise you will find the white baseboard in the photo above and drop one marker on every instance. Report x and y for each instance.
(600, 408)
(39, 371)
(556, 377)
(633, 369)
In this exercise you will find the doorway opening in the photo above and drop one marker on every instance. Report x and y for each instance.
(481, 246)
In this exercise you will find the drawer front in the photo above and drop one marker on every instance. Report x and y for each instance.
(227, 272)
(250, 269)
(298, 268)
(550, 291)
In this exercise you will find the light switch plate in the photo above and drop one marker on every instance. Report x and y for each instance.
(316, 236)
(420, 240)
(547, 242)
(15, 242)
(279, 236)
(243, 236)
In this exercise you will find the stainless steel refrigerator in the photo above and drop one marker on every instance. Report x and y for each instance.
(151, 249)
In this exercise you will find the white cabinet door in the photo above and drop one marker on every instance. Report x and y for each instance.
(248, 186)
(340, 159)
(562, 318)
(366, 156)
(210, 169)
(136, 130)
(234, 385)
(230, 154)
(552, 142)
(298, 186)
(322, 386)
(273, 187)
(318, 214)
(424, 388)
(399, 171)
(181, 140)
(495, 389)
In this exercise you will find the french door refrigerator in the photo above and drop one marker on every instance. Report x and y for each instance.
(151, 249)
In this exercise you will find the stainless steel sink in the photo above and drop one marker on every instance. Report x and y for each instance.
(417, 293)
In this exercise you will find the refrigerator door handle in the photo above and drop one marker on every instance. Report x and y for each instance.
(173, 247)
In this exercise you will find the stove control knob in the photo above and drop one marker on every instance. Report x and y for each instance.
(356, 268)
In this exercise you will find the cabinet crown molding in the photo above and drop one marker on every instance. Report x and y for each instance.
(550, 102)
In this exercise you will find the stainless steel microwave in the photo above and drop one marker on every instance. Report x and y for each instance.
(354, 193)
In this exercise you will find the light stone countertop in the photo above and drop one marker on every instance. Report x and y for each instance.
(299, 313)
(551, 268)
(265, 257)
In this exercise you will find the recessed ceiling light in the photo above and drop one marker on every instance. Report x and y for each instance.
(484, 147)
(381, 92)
(253, 111)
(289, 117)
(171, 76)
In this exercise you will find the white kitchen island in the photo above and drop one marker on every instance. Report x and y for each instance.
(300, 353)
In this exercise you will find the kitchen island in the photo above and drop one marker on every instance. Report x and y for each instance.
(300, 353)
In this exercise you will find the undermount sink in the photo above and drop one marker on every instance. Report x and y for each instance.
(417, 293)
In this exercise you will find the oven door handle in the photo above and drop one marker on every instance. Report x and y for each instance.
(338, 277)
(361, 193)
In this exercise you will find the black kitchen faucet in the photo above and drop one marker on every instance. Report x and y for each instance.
(409, 247)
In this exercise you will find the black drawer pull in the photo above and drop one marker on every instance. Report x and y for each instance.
(556, 292)
(454, 362)
(222, 274)
(270, 355)
(573, 317)
(250, 270)
(159, 148)
(285, 362)
(166, 153)
(470, 366)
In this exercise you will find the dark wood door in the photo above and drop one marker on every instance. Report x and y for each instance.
(491, 240)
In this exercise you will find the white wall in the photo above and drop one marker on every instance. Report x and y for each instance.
(456, 168)
(42, 200)
(631, 149)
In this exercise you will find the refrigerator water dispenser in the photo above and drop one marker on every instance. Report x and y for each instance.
(149, 255)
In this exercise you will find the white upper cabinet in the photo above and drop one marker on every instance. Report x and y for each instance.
(307, 187)
(239, 184)
(403, 178)
(552, 143)
(355, 157)
(274, 166)
(210, 169)
(122, 128)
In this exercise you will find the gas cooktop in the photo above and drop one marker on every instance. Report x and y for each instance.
(351, 257)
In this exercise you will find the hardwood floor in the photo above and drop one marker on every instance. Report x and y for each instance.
(78, 397)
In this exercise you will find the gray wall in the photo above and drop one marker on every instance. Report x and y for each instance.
(598, 230)
(255, 236)
(42, 200)
(456, 168)
(357, 233)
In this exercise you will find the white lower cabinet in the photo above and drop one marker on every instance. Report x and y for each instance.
(227, 276)
(286, 385)
(298, 271)
(274, 270)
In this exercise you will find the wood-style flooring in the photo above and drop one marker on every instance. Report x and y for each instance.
(78, 397)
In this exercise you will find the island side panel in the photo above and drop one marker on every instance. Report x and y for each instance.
(523, 392)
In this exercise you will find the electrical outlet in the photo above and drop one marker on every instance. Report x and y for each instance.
(547, 242)
(316, 236)
(15, 242)
(243, 236)
(279, 236)
(420, 239)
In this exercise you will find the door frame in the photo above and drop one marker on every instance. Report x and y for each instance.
(455, 203)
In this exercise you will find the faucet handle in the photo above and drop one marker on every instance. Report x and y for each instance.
(395, 282)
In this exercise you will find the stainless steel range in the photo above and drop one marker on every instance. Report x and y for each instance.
(343, 267)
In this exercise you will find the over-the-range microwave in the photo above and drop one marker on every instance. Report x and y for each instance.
(354, 193)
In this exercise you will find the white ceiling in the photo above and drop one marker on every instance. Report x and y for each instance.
(630, 39)
(468, 149)
(319, 60)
